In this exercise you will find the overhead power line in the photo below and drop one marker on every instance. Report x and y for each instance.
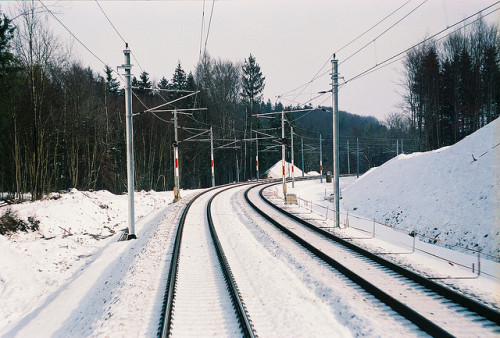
(315, 77)
(121, 37)
(73, 35)
(382, 64)
(385, 31)
(116, 30)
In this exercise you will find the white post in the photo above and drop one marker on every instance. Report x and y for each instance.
(177, 194)
(302, 148)
(130, 144)
(212, 156)
(293, 164)
(237, 167)
(283, 151)
(335, 106)
(348, 163)
(320, 161)
(257, 154)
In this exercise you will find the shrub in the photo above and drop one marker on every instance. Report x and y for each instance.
(10, 223)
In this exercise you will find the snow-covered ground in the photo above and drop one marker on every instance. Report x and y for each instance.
(74, 271)
(73, 277)
(452, 194)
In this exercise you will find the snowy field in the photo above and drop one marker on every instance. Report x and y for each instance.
(73, 278)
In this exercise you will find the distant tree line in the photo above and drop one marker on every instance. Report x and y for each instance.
(62, 125)
(452, 87)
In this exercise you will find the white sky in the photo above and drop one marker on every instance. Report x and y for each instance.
(291, 39)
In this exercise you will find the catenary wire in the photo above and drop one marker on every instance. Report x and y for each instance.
(385, 31)
(315, 77)
(117, 32)
(369, 70)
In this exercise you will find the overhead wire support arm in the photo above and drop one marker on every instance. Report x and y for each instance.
(192, 138)
(179, 111)
(167, 103)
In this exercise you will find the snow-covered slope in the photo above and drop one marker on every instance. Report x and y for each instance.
(276, 171)
(452, 193)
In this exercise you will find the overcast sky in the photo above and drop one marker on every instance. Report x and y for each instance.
(291, 39)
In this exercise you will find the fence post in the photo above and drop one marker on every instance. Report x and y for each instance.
(479, 263)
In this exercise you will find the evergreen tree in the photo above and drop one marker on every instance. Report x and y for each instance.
(179, 80)
(252, 86)
(252, 82)
(112, 85)
(163, 84)
(145, 82)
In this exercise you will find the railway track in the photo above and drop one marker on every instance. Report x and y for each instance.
(432, 307)
(202, 298)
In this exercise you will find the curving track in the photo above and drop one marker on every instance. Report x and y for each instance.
(298, 280)
(201, 298)
(433, 308)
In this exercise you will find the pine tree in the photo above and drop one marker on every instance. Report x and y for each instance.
(163, 84)
(145, 82)
(112, 84)
(252, 82)
(179, 80)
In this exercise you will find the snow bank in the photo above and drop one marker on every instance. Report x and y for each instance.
(276, 171)
(452, 193)
(73, 227)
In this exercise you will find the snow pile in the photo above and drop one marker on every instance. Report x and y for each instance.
(312, 173)
(452, 193)
(73, 227)
(276, 171)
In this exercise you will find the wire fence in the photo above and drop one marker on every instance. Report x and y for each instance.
(373, 229)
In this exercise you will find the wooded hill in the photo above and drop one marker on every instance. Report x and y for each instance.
(62, 124)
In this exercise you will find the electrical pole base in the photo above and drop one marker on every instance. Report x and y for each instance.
(177, 195)
(126, 236)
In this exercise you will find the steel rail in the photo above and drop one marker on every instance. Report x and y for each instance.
(466, 302)
(164, 327)
(422, 322)
(245, 322)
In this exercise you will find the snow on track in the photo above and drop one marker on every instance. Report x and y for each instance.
(202, 305)
(452, 318)
(287, 292)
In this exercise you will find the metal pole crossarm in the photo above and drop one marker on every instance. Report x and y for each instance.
(192, 137)
(164, 104)
(164, 90)
(285, 111)
(225, 146)
(152, 110)
(258, 138)
(259, 132)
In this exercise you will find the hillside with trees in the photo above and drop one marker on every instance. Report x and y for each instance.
(62, 124)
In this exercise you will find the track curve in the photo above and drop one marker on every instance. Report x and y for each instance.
(210, 269)
(467, 310)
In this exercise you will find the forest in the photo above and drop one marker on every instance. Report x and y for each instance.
(62, 124)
